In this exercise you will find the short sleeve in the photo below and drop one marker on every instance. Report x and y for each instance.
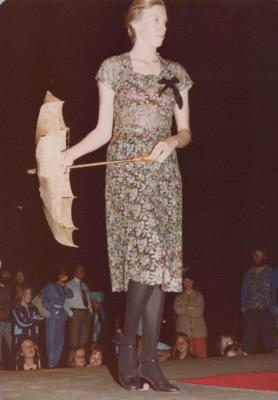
(105, 74)
(185, 82)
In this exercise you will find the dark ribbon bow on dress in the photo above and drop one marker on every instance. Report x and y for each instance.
(171, 83)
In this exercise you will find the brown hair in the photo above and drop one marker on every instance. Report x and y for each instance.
(72, 353)
(19, 365)
(135, 11)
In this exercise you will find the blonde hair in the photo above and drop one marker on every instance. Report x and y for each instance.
(135, 11)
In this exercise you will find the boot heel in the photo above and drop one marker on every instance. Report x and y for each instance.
(126, 361)
(155, 377)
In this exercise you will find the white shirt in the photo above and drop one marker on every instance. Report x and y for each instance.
(76, 301)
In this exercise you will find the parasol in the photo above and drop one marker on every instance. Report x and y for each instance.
(52, 137)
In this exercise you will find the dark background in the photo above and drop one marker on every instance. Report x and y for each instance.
(229, 48)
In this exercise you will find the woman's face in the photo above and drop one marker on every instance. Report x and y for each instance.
(181, 345)
(28, 349)
(80, 358)
(96, 358)
(188, 284)
(150, 27)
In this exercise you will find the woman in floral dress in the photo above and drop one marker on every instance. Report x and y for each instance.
(139, 93)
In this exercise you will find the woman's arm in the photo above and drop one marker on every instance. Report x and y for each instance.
(165, 147)
(100, 135)
(198, 307)
(180, 305)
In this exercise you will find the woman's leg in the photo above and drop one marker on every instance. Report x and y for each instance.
(152, 316)
(151, 323)
(137, 297)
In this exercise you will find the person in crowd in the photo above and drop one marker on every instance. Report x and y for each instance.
(81, 311)
(95, 356)
(19, 285)
(54, 296)
(26, 318)
(141, 92)
(181, 349)
(97, 301)
(163, 351)
(77, 357)
(233, 351)
(28, 357)
(223, 342)
(189, 307)
(228, 346)
(258, 303)
(5, 317)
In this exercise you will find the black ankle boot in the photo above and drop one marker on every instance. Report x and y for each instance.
(128, 371)
(150, 371)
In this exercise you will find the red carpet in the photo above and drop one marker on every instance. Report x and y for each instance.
(254, 381)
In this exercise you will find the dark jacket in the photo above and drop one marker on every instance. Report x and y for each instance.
(26, 322)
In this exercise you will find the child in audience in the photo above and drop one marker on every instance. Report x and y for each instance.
(228, 346)
(95, 357)
(28, 357)
(181, 350)
(26, 317)
(77, 357)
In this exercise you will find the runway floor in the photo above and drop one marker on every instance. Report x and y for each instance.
(98, 383)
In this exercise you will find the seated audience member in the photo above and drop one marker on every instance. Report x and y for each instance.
(189, 307)
(26, 317)
(223, 342)
(95, 356)
(233, 351)
(163, 351)
(181, 350)
(77, 357)
(28, 357)
(54, 296)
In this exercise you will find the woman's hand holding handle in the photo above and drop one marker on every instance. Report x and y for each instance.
(163, 149)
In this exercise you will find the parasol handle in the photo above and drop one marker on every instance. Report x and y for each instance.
(33, 171)
(98, 164)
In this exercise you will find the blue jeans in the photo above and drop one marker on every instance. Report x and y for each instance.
(5, 334)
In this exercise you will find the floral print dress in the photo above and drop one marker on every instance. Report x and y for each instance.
(143, 200)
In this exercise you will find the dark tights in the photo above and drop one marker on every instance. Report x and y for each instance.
(144, 301)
